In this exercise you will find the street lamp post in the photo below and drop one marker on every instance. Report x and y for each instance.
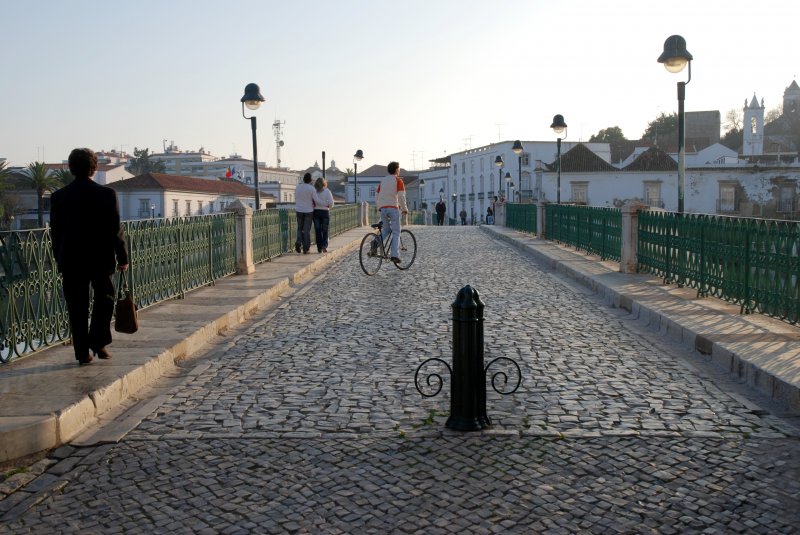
(675, 57)
(509, 185)
(559, 127)
(421, 186)
(455, 206)
(357, 157)
(499, 163)
(152, 211)
(517, 148)
(252, 99)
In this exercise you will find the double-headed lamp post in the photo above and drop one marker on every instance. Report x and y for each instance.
(517, 148)
(499, 163)
(559, 127)
(675, 57)
(357, 157)
(252, 99)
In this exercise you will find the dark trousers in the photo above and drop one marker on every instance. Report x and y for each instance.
(304, 230)
(86, 336)
(441, 218)
(322, 221)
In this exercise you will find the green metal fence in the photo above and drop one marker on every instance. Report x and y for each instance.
(754, 263)
(275, 230)
(521, 217)
(594, 230)
(33, 314)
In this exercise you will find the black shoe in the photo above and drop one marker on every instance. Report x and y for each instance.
(395, 260)
(85, 360)
(101, 353)
(297, 247)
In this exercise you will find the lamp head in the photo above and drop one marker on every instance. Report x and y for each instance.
(421, 181)
(499, 161)
(359, 155)
(508, 178)
(558, 125)
(454, 196)
(252, 97)
(675, 56)
(517, 148)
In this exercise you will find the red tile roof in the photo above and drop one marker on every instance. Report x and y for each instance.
(580, 159)
(653, 159)
(182, 183)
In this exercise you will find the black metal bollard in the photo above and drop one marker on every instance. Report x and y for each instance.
(468, 396)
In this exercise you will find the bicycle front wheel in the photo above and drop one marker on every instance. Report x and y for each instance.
(408, 249)
(369, 255)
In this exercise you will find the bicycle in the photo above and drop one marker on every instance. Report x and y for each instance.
(374, 251)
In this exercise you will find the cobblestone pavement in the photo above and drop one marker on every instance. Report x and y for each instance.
(308, 421)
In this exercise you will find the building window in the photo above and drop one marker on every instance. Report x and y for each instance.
(371, 192)
(526, 159)
(753, 125)
(175, 209)
(211, 207)
(652, 195)
(144, 208)
(200, 207)
(455, 170)
(580, 192)
(463, 167)
(188, 208)
(727, 198)
(786, 199)
(481, 164)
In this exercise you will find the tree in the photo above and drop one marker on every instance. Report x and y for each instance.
(773, 114)
(733, 120)
(64, 176)
(347, 172)
(37, 177)
(612, 134)
(141, 163)
(663, 131)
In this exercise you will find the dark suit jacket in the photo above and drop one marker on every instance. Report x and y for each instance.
(85, 228)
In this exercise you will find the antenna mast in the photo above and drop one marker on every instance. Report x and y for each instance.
(278, 131)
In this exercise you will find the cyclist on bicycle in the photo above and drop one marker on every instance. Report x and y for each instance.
(391, 201)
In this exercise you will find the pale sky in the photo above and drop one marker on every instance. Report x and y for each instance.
(405, 80)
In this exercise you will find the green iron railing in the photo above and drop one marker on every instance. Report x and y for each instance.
(597, 231)
(754, 263)
(275, 230)
(33, 314)
(169, 257)
(521, 217)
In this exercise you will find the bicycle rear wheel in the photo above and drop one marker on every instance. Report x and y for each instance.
(369, 254)
(408, 249)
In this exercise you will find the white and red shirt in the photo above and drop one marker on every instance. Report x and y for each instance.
(391, 193)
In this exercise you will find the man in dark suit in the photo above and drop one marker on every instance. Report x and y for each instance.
(88, 244)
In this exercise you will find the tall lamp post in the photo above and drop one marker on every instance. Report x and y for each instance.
(499, 163)
(455, 206)
(559, 127)
(675, 57)
(152, 211)
(252, 99)
(357, 157)
(517, 148)
(421, 186)
(509, 185)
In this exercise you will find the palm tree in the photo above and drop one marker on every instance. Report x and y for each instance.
(64, 176)
(38, 178)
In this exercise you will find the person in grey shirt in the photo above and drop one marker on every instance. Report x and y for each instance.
(304, 208)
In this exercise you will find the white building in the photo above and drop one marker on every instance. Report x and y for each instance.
(155, 195)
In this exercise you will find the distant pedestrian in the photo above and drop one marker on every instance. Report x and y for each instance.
(88, 244)
(463, 215)
(489, 216)
(441, 208)
(323, 202)
(304, 210)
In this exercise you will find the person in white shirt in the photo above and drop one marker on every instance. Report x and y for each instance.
(323, 202)
(391, 201)
(304, 208)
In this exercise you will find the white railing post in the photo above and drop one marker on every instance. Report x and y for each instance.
(244, 237)
(630, 236)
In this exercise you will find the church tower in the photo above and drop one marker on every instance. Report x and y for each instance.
(791, 100)
(753, 128)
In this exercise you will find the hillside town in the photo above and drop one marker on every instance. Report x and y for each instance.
(751, 171)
